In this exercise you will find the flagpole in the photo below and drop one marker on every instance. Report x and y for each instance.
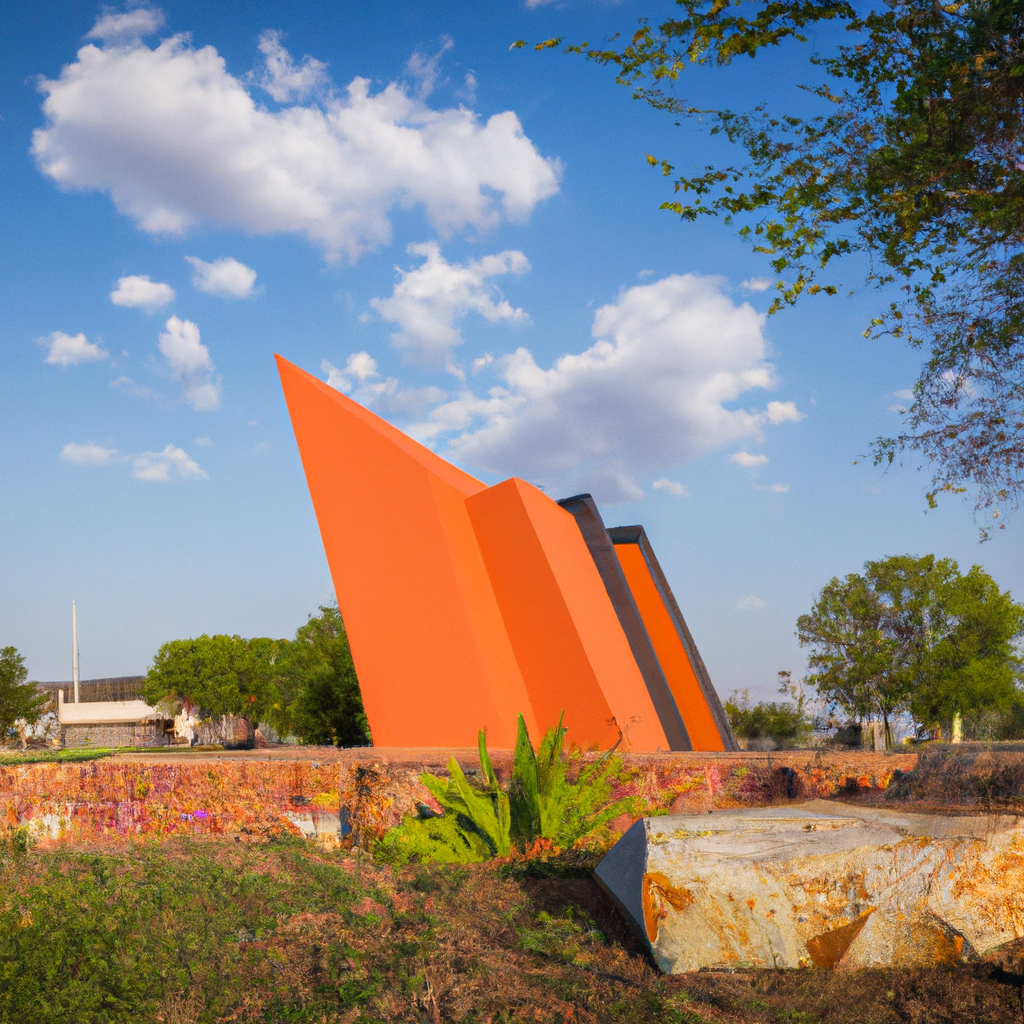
(74, 648)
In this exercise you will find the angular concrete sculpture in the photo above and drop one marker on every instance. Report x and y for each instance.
(818, 884)
(466, 605)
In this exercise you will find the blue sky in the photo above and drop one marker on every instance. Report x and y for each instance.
(463, 237)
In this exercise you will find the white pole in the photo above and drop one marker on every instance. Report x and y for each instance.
(74, 648)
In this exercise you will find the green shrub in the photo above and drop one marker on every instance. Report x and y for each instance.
(480, 821)
(780, 724)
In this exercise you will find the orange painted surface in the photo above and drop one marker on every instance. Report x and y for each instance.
(429, 645)
(465, 605)
(675, 663)
(566, 635)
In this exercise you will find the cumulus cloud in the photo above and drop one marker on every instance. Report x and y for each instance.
(175, 140)
(360, 379)
(746, 460)
(783, 412)
(756, 284)
(171, 464)
(138, 292)
(189, 361)
(425, 68)
(904, 400)
(125, 27)
(359, 367)
(280, 76)
(654, 390)
(89, 454)
(226, 277)
(677, 490)
(430, 300)
(749, 603)
(131, 387)
(70, 349)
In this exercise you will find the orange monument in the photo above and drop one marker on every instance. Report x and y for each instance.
(466, 605)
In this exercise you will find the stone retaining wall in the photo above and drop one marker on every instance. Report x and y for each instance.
(359, 794)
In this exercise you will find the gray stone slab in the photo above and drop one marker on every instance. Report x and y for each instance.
(820, 884)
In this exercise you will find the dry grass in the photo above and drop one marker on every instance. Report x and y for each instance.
(195, 933)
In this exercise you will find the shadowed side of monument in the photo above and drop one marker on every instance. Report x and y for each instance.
(706, 721)
(591, 527)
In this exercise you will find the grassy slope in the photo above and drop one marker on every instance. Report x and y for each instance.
(186, 932)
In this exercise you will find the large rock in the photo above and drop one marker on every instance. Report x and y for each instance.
(819, 884)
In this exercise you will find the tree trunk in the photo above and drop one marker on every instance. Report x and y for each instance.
(958, 728)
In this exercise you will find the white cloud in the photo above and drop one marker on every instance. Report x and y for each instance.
(189, 361)
(204, 442)
(424, 69)
(131, 386)
(89, 454)
(171, 463)
(757, 284)
(783, 412)
(282, 78)
(468, 91)
(904, 399)
(70, 349)
(778, 488)
(360, 366)
(677, 490)
(429, 301)
(176, 140)
(650, 393)
(126, 27)
(138, 292)
(749, 603)
(746, 460)
(226, 277)
(360, 379)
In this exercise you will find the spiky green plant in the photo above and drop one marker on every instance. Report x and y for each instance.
(474, 825)
(545, 804)
(482, 821)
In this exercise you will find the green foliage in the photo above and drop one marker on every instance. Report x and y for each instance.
(914, 634)
(221, 675)
(205, 933)
(482, 821)
(783, 724)
(320, 697)
(475, 824)
(19, 700)
(915, 161)
(545, 804)
(67, 756)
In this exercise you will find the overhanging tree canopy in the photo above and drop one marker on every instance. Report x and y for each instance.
(917, 160)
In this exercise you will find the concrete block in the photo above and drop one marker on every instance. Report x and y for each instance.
(821, 884)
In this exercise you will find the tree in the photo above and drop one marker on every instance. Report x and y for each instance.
(20, 701)
(776, 723)
(917, 161)
(913, 634)
(221, 675)
(319, 685)
(971, 662)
